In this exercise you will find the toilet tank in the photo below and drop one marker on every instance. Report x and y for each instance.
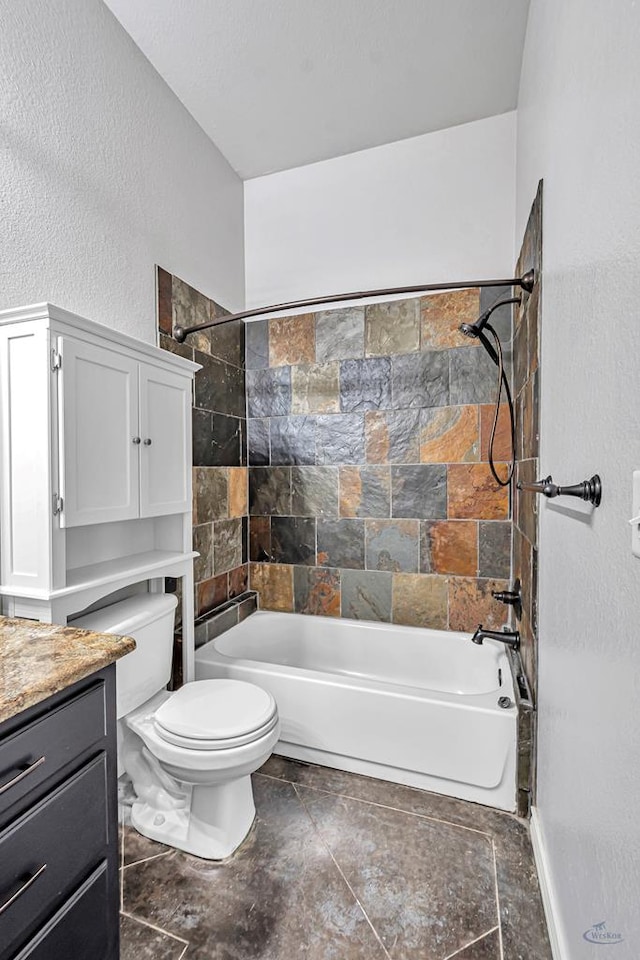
(149, 619)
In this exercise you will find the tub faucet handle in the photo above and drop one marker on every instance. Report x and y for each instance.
(512, 598)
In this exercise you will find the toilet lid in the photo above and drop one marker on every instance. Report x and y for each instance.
(217, 710)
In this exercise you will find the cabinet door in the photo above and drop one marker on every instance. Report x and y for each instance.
(99, 434)
(165, 453)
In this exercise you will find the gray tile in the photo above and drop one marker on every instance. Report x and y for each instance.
(339, 334)
(366, 595)
(365, 384)
(219, 386)
(141, 942)
(340, 438)
(473, 376)
(227, 545)
(392, 327)
(211, 494)
(280, 891)
(314, 491)
(365, 492)
(270, 491)
(257, 344)
(420, 902)
(315, 388)
(316, 591)
(269, 392)
(259, 447)
(419, 491)
(293, 540)
(494, 549)
(203, 544)
(189, 306)
(392, 545)
(421, 379)
(293, 440)
(341, 543)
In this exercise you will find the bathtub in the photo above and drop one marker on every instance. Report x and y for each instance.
(413, 706)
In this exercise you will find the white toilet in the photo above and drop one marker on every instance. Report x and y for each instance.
(190, 754)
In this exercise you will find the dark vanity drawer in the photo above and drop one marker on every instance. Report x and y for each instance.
(80, 930)
(48, 851)
(43, 747)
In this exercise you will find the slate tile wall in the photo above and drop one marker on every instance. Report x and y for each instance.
(526, 339)
(370, 494)
(220, 480)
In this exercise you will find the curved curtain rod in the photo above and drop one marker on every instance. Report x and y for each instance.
(526, 282)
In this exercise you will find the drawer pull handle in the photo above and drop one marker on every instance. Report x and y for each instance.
(20, 776)
(23, 889)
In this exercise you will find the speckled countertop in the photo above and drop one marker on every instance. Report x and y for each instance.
(40, 659)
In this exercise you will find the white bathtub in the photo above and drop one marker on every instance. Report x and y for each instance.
(418, 707)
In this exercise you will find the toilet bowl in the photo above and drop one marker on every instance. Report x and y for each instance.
(190, 754)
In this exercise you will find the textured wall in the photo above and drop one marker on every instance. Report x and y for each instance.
(369, 491)
(579, 129)
(220, 521)
(104, 173)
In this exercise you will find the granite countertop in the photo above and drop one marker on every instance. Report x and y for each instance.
(40, 659)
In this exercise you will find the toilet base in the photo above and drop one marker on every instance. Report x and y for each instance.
(212, 826)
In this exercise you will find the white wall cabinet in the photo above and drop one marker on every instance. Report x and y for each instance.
(95, 466)
(124, 430)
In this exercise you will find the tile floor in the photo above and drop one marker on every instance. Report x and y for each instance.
(340, 867)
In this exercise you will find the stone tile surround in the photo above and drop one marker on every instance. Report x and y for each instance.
(370, 493)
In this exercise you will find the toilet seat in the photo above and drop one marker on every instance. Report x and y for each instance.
(216, 715)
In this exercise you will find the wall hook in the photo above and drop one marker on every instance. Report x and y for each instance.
(590, 490)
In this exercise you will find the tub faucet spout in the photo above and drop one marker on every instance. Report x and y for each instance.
(509, 637)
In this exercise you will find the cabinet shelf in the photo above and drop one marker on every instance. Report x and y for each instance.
(138, 566)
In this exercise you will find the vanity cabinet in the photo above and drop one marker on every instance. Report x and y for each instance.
(95, 466)
(59, 892)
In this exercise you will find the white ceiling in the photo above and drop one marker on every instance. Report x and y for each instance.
(281, 83)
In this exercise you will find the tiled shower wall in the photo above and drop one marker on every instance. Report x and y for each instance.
(370, 495)
(220, 520)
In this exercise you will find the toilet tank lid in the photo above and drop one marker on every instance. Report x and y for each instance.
(127, 616)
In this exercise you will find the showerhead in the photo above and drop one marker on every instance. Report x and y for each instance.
(474, 330)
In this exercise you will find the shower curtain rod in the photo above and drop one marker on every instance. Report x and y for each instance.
(526, 282)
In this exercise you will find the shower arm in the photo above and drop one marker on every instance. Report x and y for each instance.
(525, 282)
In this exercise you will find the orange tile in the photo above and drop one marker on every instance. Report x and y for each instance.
(441, 315)
(211, 593)
(292, 340)
(238, 492)
(471, 603)
(502, 444)
(274, 583)
(449, 434)
(473, 494)
(452, 546)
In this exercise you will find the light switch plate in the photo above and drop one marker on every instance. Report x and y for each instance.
(635, 511)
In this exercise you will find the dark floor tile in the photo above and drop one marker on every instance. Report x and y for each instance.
(341, 543)
(340, 438)
(314, 491)
(140, 942)
(269, 392)
(421, 379)
(365, 384)
(524, 929)
(419, 491)
(293, 540)
(421, 903)
(280, 896)
(135, 847)
(293, 440)
(257, 344)
(487, 948)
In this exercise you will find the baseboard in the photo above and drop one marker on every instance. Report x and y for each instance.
(549, 900)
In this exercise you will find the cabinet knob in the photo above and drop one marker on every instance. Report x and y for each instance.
(147, 441)
(136, 440)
